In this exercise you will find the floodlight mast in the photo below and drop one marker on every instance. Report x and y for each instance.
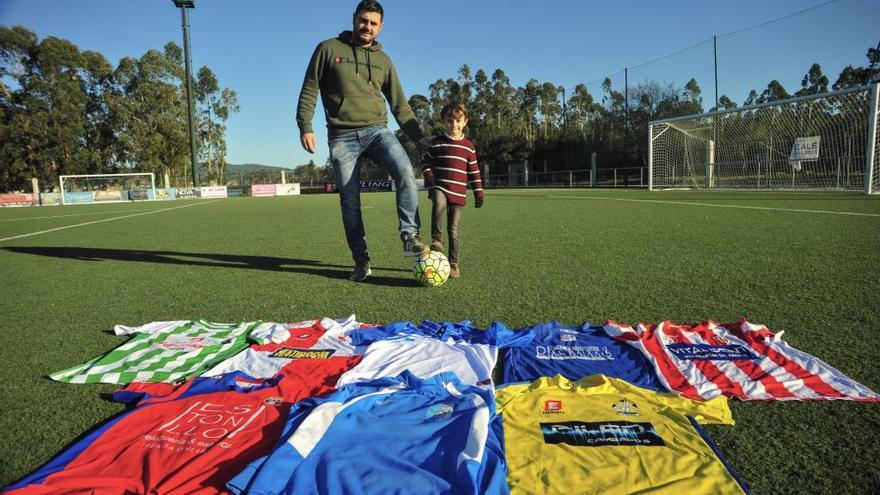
(184, 19)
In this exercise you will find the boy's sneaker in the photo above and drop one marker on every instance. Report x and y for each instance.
(361, 270)
(437, 245)
(413, 246)
(454, 271)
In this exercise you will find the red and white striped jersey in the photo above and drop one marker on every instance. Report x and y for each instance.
(738, 360)
(452, 166)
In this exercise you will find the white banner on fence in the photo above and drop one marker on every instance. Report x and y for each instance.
(287, 189)
(805, 149)
(213, 192)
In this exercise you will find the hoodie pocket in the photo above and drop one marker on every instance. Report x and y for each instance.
(361, 109)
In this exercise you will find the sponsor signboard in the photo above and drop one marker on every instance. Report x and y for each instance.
(366, 186)
(139, 194)
(213, 192)
(258, 190)
(73, 198)
(287, 189)
(163, 194)
(108, 196)
(187, 193)
(805, 149)
(16, 199)
(50, 199)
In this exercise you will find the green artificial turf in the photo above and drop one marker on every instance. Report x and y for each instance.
(789, 261)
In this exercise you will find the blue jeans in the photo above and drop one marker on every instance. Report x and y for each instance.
(379, 144)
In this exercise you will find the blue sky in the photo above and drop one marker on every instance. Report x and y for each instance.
(261, 48)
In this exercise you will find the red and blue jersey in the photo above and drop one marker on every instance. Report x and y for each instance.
(187, 439)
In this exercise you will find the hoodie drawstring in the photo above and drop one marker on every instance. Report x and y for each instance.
(354, 51)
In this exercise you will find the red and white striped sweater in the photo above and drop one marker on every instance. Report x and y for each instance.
(452, 166)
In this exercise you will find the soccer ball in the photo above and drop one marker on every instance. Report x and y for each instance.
(431, 269)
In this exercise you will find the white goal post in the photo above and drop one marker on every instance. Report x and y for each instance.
(107, 188)
(820, 142)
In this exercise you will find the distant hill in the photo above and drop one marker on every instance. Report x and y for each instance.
(251, 168)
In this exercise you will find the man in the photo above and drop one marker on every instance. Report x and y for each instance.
(352, 74)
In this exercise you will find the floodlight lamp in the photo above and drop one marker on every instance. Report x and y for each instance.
(185, 4)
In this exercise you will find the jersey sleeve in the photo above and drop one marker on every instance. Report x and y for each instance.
(621, 331)
(504, 395)
(712, 411)
(473, 177)
(265, 333)
(426, 163)
(306, 423)
(149, 328)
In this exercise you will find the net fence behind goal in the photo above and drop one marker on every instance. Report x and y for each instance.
(821, 142)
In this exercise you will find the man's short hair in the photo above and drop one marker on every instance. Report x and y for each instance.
(370, 6)
(455, 109)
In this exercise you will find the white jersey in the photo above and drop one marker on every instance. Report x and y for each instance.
(321, 338)
(424, 357)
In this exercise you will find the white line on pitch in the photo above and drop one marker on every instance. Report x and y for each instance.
(103, 220)
(689, 203)
(62, 216)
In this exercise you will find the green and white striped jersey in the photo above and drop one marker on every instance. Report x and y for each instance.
(171, 351)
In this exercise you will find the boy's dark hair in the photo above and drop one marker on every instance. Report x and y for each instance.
(454, 109)
(370, 6)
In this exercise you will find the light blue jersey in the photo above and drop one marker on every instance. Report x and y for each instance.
(394, 435)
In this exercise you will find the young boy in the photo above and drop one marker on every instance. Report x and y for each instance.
(449, 166)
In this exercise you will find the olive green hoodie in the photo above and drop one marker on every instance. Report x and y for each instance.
(352, 80)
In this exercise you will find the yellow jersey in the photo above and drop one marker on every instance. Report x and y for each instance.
(605, 435)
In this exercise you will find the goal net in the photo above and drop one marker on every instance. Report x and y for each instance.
(821, 142)
(107, 188)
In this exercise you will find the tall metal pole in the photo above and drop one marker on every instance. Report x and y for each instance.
(626, 97)
(715, 47)
(564, 126)
(189, 98)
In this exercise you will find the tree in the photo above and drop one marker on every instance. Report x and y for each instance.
(724, 103)
(774, 92)
(814, 82)
(692, 98)
(151, 109)
(214, 108)
(859, 76)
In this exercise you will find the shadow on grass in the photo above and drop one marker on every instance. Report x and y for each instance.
(268, 263)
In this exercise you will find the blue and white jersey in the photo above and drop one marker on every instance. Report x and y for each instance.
(394, 435)
(548, 349)
(424, 357)
(460, 331)
(367, 336)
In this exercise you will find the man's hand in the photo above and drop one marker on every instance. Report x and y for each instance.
(478, 202)
(309, 142)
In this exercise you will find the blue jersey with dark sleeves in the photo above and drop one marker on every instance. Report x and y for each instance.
(392, 435)
(548, 349)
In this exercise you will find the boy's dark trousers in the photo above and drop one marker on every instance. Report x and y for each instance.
(453, 220)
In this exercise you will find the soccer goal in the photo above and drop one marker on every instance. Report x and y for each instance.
(107, 188)
(820, 142)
